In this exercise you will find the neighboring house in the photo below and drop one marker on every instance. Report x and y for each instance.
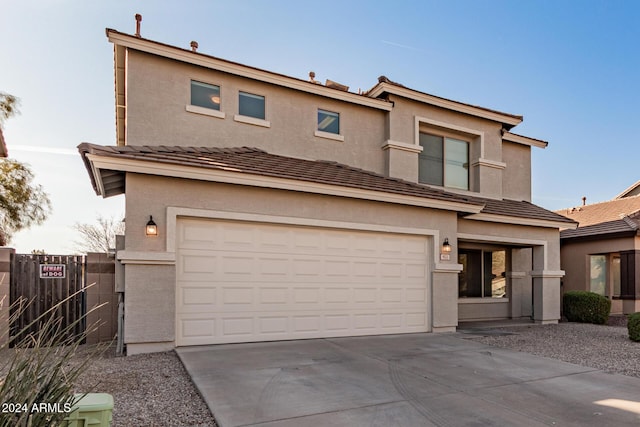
(602, 255)
(290, 209)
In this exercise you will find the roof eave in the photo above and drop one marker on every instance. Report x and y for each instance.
(534, 222)
(100, 162)
(600, 236)
(207, 61)
(509, 120)
(525, 140)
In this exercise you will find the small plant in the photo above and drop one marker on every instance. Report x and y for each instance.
(39, 378)
(633, 325)
(586, 307)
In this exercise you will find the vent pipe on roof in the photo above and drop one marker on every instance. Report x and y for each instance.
(194, 46)
(138, 21)
(584, 201)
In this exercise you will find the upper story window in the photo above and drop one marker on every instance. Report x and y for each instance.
(444, 161)
(205, 95)
(251, 105)
(329, 122)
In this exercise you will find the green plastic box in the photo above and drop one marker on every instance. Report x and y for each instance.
(92, 410)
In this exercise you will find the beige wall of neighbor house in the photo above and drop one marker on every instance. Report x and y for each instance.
(151, 289)
(575, 259)
(160, 117)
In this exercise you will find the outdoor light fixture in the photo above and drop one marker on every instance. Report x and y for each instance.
(445, 251)
(446, 247)
(151, 228)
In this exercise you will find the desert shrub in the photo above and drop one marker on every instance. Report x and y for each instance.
(633, 325)
(42, 370)
(586, 307)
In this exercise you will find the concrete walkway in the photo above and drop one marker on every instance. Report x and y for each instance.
(403, 380)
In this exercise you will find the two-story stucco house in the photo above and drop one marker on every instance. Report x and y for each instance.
(288, 209)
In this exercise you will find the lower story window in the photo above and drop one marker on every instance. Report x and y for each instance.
(483, 274)
(598, 274)
(604, 275)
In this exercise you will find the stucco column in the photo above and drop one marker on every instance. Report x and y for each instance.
(444, 297)
(546, 286)
(521, 294)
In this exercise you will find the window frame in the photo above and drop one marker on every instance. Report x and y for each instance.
(485, 285)
(242, 118)
(326, 134)
(444, 137)
(199, 109)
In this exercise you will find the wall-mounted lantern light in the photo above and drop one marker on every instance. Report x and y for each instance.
(151, 229)
(445, 252)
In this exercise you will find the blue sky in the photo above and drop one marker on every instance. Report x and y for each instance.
(570, 67)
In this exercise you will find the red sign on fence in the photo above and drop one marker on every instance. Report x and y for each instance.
(53, 271)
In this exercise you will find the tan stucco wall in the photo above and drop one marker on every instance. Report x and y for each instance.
(538, 244)
(508, 231)
(150, 290)
(484, 179)
(158, 116)
(516, 177)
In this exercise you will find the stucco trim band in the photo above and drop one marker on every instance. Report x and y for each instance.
(481, 238)
(505, 219)
(548, 274)
(147, 258)
(412, 148)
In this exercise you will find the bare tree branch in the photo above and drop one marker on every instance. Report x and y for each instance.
(98, 237)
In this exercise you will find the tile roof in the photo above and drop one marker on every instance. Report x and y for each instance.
(520, 209)
(625, 226)
(603, 212)
(258, 162)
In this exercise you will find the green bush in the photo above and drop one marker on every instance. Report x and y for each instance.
(633, 325)
(586, 307)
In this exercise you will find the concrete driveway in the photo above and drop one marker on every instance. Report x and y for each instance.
(403, 380)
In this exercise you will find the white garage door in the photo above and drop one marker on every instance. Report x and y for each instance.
(248, 281)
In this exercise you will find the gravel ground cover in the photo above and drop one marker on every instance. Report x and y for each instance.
(597, 346)
(148, 390)
(155, 390)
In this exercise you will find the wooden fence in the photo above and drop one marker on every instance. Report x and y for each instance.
(43, 282)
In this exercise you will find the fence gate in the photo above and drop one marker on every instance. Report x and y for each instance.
(44, 281)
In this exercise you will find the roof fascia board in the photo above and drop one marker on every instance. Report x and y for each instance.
(206, 61)
(627, 191)
(229, 177)
(380, 88)
(601, 236)
(525, 140)
(507, 219)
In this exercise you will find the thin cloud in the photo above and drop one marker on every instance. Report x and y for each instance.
(403, 46)
(41, 149)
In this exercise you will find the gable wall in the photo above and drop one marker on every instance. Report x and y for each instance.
(159, 90)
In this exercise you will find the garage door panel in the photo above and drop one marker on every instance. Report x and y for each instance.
(242, 282)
